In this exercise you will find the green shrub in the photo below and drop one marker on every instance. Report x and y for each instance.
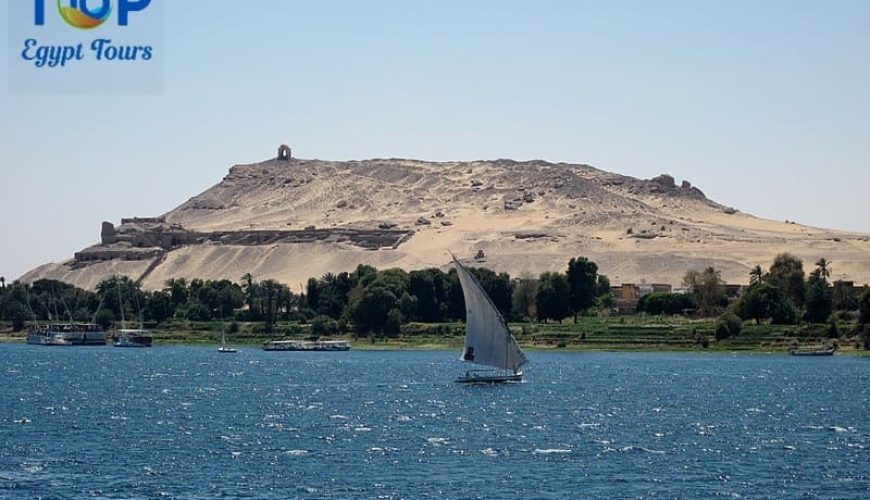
(785, 313)
(864, 309)
(323, 325)
(728, 325)
(658, 303)
(833, 329)
(394, 323)
(18, 313)
(293, 329)
(104, 318)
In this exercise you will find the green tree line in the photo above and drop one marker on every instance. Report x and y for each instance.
(367, 299)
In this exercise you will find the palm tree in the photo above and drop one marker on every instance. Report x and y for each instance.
(177, 288)
(756, 275)
(823, 268)
(269, 290)
(250, 290)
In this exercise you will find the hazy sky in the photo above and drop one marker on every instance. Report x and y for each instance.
(764, 105)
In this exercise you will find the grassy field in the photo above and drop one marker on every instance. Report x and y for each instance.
(643, 333)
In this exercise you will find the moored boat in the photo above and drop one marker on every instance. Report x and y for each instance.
(306, 345)
(67, 334)
(132, 338)
(826, 351)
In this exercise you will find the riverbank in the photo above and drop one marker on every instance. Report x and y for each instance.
(399, 345)
(624, 333)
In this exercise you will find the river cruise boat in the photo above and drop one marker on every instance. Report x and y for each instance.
(306, 345)
(67, 334)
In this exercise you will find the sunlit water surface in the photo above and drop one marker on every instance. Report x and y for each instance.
(188, 422)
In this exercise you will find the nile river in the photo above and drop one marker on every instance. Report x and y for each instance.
(187, 422)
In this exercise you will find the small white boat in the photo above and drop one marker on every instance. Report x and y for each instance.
(487, 338)
(224, 348)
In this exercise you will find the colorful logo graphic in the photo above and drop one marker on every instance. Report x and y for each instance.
(78, 14)
(88, 14)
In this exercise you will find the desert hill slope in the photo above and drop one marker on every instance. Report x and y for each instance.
(291, 219)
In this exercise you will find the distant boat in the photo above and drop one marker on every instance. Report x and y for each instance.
(487, 338)
(64, 334)
(224, 347)
(306, 345)
(67, 334)
(132, 338)
(826, 351)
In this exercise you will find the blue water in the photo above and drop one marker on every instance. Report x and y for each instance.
(187, 422)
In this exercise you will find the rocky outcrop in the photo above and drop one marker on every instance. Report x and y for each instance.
(147, 238)
(150, 232)
(666, 184)
(117, 251)
(665, 181)
(108, 235)
(369, 239)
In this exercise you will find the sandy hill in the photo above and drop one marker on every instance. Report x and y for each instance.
(290, 219)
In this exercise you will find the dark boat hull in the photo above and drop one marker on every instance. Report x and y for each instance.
(133, 339)
(489, 378)
(829, 352)
(303, 345)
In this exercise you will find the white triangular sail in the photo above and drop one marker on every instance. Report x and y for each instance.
(487, 338)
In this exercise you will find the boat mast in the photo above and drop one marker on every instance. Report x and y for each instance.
(68, 312)
(141, 317)
(99, 306)
(32, 314)
(120, 303)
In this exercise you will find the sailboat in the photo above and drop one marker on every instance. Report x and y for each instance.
(487, 338)
(224, 347)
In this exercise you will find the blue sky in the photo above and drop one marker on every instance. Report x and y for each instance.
(764, 105)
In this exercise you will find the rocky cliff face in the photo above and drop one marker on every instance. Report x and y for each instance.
(290, 219)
